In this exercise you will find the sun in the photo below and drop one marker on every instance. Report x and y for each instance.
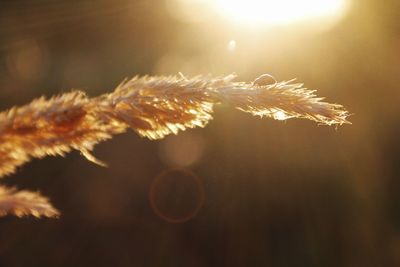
(275, 12)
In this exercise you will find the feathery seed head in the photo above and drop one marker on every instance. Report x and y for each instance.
(153, 106)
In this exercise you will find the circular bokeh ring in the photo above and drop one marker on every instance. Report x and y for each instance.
(176, 195)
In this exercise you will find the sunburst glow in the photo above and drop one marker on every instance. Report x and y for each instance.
(270, 12)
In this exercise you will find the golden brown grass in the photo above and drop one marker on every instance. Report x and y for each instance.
(151, 106)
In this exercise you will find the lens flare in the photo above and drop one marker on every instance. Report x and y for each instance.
(176, 195)
(272, 12)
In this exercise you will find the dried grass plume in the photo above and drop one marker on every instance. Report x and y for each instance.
(23, 202)
(152, 106)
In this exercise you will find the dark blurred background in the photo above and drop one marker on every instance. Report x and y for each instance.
(243, 191)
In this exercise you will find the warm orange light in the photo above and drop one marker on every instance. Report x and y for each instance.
(272, 12)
